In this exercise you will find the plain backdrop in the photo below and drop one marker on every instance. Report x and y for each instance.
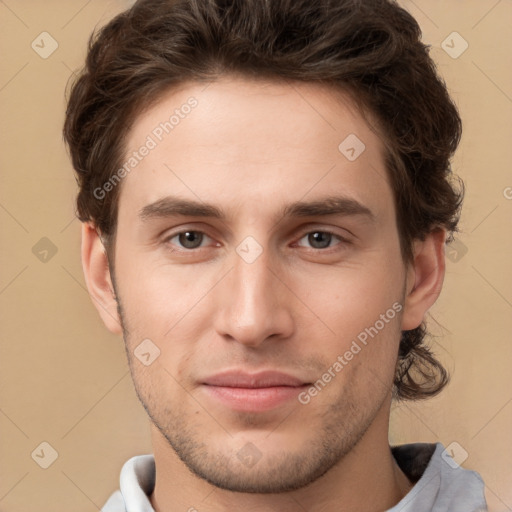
(64, 379)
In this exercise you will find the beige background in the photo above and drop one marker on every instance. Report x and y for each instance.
(64, 379)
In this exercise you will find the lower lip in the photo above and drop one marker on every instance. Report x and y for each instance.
(254, 399)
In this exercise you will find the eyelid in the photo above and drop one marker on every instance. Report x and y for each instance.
(341, 233)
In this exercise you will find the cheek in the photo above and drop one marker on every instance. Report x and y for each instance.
(362, 308)
(348, 300)
(157, 386)
(159, 299)
(165, 305)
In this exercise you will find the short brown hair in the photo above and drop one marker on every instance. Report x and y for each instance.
(371, 49)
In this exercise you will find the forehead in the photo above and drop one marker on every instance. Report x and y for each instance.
(235, 138)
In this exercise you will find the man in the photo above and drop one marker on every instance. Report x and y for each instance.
(266, 194)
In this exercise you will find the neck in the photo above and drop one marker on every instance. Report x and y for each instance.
(367, 479)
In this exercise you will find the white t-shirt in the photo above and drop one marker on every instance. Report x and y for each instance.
(441, 484)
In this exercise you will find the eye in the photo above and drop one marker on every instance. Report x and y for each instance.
(189, 239)
(319, 240)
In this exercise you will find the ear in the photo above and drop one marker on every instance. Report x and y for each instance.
(97, 277)
(424, 278)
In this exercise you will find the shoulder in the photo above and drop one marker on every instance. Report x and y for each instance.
(439, 482)
(460, 487)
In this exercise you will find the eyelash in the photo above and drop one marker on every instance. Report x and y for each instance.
(341, 240)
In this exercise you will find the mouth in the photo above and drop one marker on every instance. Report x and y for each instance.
(259, 392)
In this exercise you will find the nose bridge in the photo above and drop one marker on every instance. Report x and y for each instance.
(253, 306)
(254, 286)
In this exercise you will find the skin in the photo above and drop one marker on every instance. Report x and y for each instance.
(250, 149)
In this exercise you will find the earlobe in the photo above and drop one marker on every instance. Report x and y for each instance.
(97, 277)
(424, 278)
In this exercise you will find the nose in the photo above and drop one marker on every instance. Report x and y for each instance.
(254, 305)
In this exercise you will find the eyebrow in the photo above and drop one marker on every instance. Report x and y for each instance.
(332, 205)
(172, 206)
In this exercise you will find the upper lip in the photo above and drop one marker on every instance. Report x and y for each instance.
(264, 379)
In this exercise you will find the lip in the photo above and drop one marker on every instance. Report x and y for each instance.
(264, 379)
(256, 392)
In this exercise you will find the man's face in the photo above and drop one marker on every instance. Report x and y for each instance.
(292, 253)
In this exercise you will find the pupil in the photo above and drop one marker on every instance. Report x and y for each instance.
(191, 239)
(319, 240)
